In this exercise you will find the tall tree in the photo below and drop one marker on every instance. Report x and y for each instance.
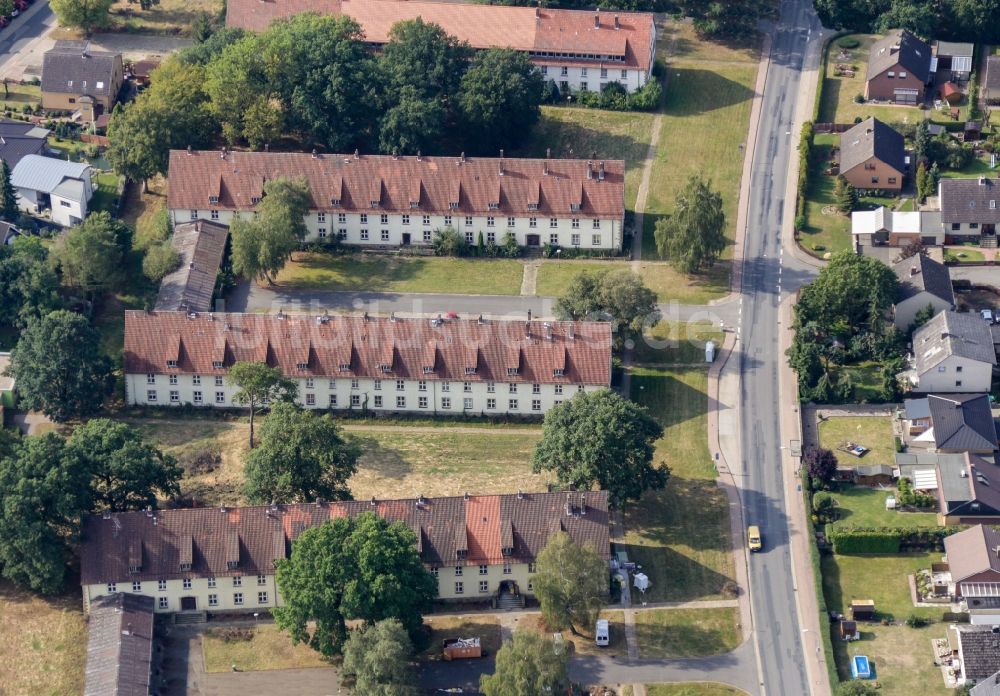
(845, 195)
(918, 17)
(571, 583)
(500, 99)
(618, 295)
(87, 15)
(693, 236)
(528, 664)
(378, 658)
(302, 457)
(262, 245)
(851, 294)
(413, 124)
(126, 472)
(730, 19)
(43, 491)
(601, 439)
(160, 259)
(8, 196)
(91, 255)
(258, 383)
(30, 287)
(820, 462)
(59, 367)
(352, 568)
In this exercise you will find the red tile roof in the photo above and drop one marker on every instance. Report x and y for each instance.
(308, 346)
(477, 525)
(482, 26)
(433, 184)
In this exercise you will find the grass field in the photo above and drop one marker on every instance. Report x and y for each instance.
(964, 255)
(874, 432)
(169, 17)
(693, 689)
(441, 627)
(860, 506)
(573, 132)
(105, 193)
(583, 644)
(676, 342)
(902, 658)
(19, 95)
(43, 643)
(554, 277)
(881, 578)
(680, 536)
(666, 633)
(670, 285)
(396, 274)
(268, 648)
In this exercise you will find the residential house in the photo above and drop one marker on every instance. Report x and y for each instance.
(987, 687)
(365, 363)
(978, 652)
(896, 228)
(953, 60)
(974, 561)
(120, 646)
(45, 183)
(969, 210)
(18, 139)
(957, 423)
(8, 233)
(990, 89)
(578, 49)
(872, 157)
(78, 79)
(200, 245)
(222, 559)
(953, 352)
(899, 67)
(968, 489)
(387, 201)
(922, 282)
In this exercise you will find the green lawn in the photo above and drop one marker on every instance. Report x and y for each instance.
(256, 648)
(860, 506)
(18, 95)
(979, 166)
(965, 255)
(399, 274)
(874, 432)
(680, 536)
(880, 578)
(867, 380)
(105, 192)
(666, 633)
(583, 644)
(902, 658)
(693, 689)
(573, 132)
(554, 277)
(670, 285)
(677, 342)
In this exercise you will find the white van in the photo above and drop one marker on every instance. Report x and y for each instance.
(601, 633)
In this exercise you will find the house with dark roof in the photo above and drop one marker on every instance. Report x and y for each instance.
(223, 559)
(577, 49)
(200, 245)
(990, 88)
(899, 67)
(872, 157)
(922, 282)
(956, 423)
(978, 650)
(120, 646)
(970, 210)
(973, 557)
(18, 139)
(386, 201)
(78, 79)
(987, 687)
(953, 352)
(896, 228)
(440, 367)
(968, 489)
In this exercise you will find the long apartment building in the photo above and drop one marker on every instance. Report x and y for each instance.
(383, 200)
(578, 49)
(223, 559)
(381, 364)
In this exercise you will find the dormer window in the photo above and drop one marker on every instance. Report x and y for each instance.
(171, 363)
(335, 202)
(232, 565)
(494, 206)
(470, 370)
(511, 371)
(374, 204)
(302, 365)
(507, 551)
(558, 372)
(414, 205)
(134, 568)
(453, 206)
(462, 553)
(385, 368)
(216, 364)
(254, 200)
(185, 567)
(532, 206)
(345, 367)
(213, 199)
(428, 370)
(575, 207)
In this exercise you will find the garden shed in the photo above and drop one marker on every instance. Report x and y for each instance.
(863, 609)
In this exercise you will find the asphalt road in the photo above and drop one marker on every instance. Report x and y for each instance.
(31, 24)
(768, 274)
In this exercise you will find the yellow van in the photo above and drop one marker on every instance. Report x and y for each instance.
(753, 538)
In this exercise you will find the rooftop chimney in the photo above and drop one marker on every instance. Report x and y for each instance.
(597, 19)
(617, 24)
(356, 154)
(529, 315)
(267, 147)
(548, 153)
(914, 270)
(189, 149)
(590, 170)
(600, 171)
(373, 502)
(314, 153)
(418, 155)
(463, 156)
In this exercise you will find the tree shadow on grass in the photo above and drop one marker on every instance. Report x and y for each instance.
(698, 92)
(385, 461)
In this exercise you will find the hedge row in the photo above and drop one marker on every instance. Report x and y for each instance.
(830, 662)
(883, 540)
(805, 148)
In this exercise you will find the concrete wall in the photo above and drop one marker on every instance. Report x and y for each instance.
(956, 375)
(388, 229)
(429, 396)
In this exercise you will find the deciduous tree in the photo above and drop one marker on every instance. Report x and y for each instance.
(571, 583)
(87, 15)
(125, 472)
(821, 463)
(693, 236)
(730, 19)
(258, 383)
(160, 259)
(262, 245)
(601, 439)
(500, 99)
(302, 457)
(378, 658)
(528, 664)
(352, 568)
(91, 255)
(619, 295)
(30, 287)
(59, 367)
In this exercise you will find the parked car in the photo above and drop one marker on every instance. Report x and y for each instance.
(602, 634)
(987, 315)
(753, 538)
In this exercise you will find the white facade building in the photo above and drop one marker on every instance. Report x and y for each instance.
(386, 201)
(62, 187)
(953, 353)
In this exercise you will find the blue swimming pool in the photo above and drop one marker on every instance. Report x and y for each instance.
(861, 668)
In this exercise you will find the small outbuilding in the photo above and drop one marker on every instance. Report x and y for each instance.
(849, 630)
(873, 475)
(951, 93)
(863, 609)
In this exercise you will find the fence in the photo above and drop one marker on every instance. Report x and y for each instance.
(832, 127)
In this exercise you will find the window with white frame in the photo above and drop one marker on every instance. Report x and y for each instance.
(484, 585)
(310, 399)
(446, 386)
(262, 598)
(470, 237)
(512, 404)
(186, 583)
(491, 404)
(426, 220)
(532, 222)
(536, 404)
(214, 214)
(507, 570)
(196, 380)
(421, 402)
(355, 400)
(363, 219)
(400, 385)
(596, 224)
(211, 582)
(468, 221)
(512, 388)
(218, 381)
(172, 379)
(447, 220)
(459, 587)
(510, 222)
(553, 238)
(400, 402)
(333, 400)
(136, 586)
(354, 383)
(310, 382)
(364, 234)
(553, 222)
(484, 569)
(467, 386)
(384, 219)
(385, 235)
(595, 240)
(491, 237)
(575, 223)
(163, 603)
(422, 385)
(321, 217)
(220, 397)
(151, 395)
(161, 585)
(194, 214)
(238, 599)
(341, 218)
(446, 403)
(536, 388)
(237, 581)
(575, 240)
(213, 600)
(112, 588)
(427, 235)
(175, 396)
(406, 219)
(467, 404)
(321, 232)
(150, 379)
(558, 388)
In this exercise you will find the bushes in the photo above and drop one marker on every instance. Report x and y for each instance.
(908, 496)
(848, 42)
(448, 242)
(805, 148)
(888, 540)
(614, 97)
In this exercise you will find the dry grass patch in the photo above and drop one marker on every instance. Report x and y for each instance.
(682, 43)
(677, 342)
(583, 644)
(486, 627)
(902, 658)
(693, 689)
(170, 17)
(255, 648)
(665, 633)
(43, 644)
(874, 432)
